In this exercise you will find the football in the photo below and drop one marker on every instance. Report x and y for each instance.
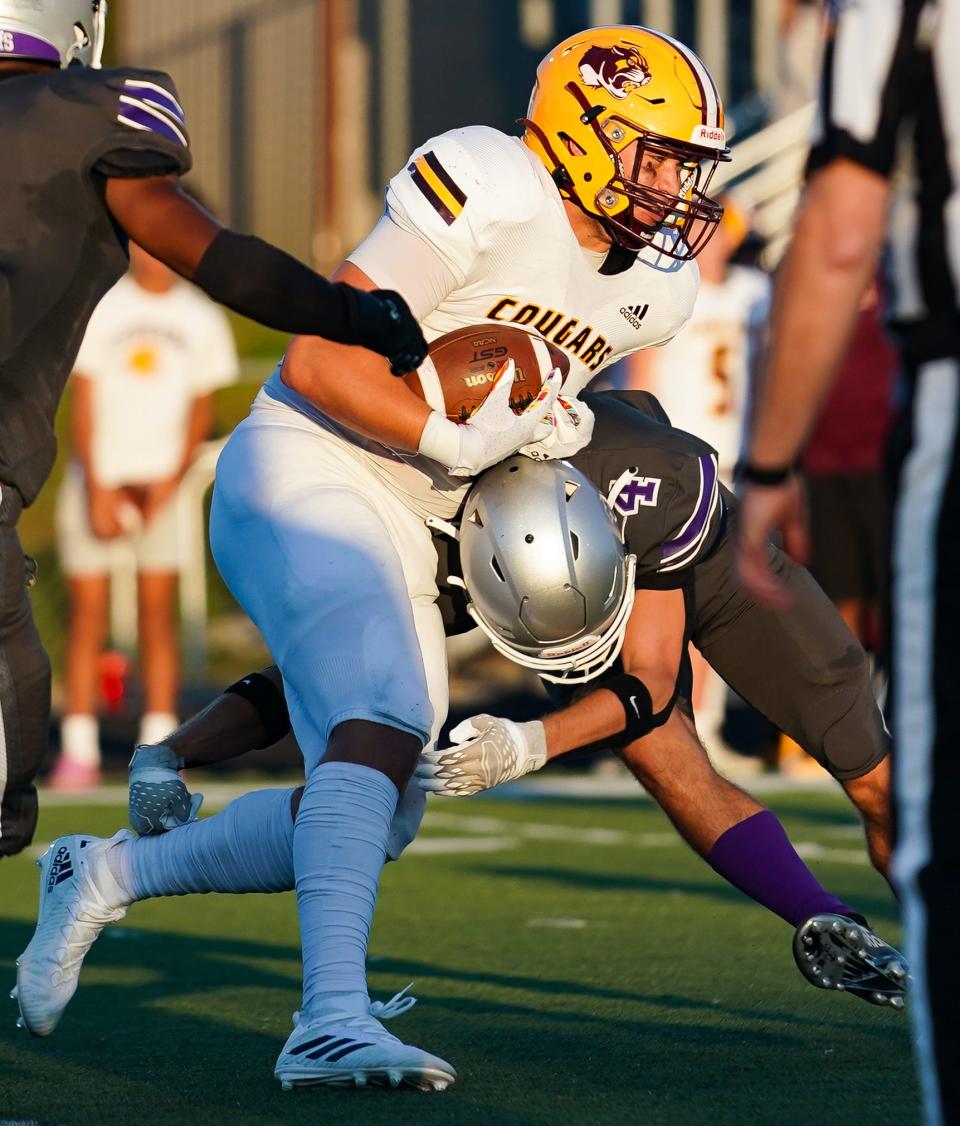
(460, 367)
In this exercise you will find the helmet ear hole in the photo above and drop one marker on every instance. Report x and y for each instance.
(575, 543)
(571, 145)
(497, 570)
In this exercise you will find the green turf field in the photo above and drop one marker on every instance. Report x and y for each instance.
(571, 959)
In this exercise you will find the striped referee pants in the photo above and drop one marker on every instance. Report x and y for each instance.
(925, 715)
(24, 689)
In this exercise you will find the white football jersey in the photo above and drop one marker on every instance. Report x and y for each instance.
(702, 376)
(483, 203)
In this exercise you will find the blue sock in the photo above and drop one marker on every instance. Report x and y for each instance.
(246, 847)
(339, 847)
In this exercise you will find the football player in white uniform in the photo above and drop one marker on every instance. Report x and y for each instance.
(607, 628)
(317, 522)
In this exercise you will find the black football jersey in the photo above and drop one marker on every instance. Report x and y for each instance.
(662, 484)
(64, 133)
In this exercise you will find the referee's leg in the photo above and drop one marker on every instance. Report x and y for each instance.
(24, 701)
(925, 701)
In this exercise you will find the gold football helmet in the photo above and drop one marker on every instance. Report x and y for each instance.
(600, 91)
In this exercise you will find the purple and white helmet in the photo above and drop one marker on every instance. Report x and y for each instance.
(53, 31)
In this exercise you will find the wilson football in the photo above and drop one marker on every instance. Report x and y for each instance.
(460, 367)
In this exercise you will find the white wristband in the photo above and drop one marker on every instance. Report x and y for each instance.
(440, 440)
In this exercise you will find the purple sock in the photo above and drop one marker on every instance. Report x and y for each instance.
(757, 857)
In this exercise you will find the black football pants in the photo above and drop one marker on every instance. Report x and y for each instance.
(801, 667)
(24, 689)
(925, 717)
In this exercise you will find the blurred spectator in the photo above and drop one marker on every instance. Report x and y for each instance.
(154, 352)
(702, 378)
(843, 465)
(798, 57)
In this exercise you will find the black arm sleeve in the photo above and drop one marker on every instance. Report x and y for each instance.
(259, 281)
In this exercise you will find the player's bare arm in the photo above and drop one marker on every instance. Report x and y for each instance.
(371, 401)
(379, 407)
(249, 715)
(489, 750)
(256, 279)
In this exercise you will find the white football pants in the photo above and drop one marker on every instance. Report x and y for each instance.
(340, 578)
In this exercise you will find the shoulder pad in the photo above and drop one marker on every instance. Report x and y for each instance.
(500, 168)
(147, 100)
(458, 186)
(668, 499)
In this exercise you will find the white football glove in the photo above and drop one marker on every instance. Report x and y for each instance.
(572, 430)
(159, 800)
(486, 752)
(493, 431)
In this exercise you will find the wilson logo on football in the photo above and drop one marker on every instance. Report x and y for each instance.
(619, 70)
(490, 376)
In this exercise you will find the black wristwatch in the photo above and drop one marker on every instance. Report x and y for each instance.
(752, 475)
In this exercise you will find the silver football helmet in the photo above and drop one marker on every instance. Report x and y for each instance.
(545, 568)
(53, 31)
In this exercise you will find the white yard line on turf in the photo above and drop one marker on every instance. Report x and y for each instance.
(477, 833)
(578, 786)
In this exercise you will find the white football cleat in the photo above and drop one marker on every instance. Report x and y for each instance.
(339, 1049)
(78, 898)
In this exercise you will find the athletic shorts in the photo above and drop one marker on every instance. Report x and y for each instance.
(849, 517)
(155, 547)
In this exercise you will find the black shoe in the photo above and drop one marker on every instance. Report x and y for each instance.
(835, 952)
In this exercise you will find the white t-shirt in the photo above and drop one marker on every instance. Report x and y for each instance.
(484, 204)
(149, 355)
(702, 376)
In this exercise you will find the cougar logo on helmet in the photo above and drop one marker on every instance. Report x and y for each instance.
(619, 70)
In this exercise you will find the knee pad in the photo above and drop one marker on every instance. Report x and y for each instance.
(856, 740)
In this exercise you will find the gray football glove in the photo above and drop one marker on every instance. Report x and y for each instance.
(159, 800)
(486, 751)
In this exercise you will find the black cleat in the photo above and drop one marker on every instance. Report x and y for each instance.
(834, 952)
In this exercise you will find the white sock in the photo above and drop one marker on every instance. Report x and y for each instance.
(80, 739)
(339, 847)
(247, 846)
(156, 726)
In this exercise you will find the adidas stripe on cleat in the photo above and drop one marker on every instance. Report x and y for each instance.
(834, 952)
(78, 898)
(342, 1050)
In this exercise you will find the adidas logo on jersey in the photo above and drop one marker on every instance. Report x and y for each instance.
(634, 314)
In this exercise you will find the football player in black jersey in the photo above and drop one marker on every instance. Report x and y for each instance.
(90, 158)
(804, 670)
